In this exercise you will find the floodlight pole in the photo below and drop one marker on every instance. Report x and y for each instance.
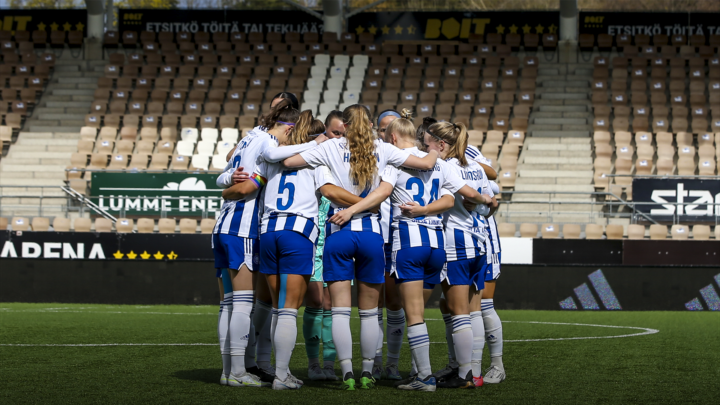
(568, 20)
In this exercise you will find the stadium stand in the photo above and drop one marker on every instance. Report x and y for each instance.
(553, 130)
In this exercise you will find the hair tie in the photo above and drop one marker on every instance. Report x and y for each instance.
(286, 123)
(387, 113)
(455, 126)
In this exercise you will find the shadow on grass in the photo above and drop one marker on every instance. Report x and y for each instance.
(205, 375)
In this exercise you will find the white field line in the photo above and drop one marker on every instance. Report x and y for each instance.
(644, 331)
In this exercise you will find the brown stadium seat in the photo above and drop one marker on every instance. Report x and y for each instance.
(658, 231)
(188, 225)
(61, 224)
(82, 224)
(528, 230)
(506, 230)
(207, 225)
(103, 225)
(166, 225)
(40, 224)
(701, 232)
(570, 231)
(124, 225)
(680, 232)
(594, 231)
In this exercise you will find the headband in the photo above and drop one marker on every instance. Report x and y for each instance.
(437, 137)
(387, 113)
(286, 123)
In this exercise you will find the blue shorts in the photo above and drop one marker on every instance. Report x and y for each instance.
(350, 254)
(417, 264)
(286, 252)
(388, 257)
(231, 252)
(465, 272)
(491, 266)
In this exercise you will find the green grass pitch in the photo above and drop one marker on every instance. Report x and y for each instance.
(679, 364)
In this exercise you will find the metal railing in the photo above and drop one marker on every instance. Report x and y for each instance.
(25, 204)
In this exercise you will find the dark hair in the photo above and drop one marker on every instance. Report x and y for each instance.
(287, 96)
(283, 111)
(334, 114)
(422, 128)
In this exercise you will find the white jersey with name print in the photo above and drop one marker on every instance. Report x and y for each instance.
(465, 231)
(335, 154)
(241, 217)
(492, 242)
(290, 201)
(422, 187)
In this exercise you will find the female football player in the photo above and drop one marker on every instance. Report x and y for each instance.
(355, 250)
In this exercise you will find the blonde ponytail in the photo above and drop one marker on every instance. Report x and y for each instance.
(300, 132)
(361, 143)
(453, 134)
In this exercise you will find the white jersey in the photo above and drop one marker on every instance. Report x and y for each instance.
(492, 242)
(422, 187)
(385, 220)
(335, 154)
(473, 153)
(289, 205)
(241, 217)
(465, 231)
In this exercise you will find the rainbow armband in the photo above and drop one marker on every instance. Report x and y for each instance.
(259, 180)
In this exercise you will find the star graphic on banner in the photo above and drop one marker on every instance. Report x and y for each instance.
(41, 27)
(398, 29)
(54, 26)
(79, 26)
(539, 29)
(131, 255)
(526, 29)
(552, 29)
(158, 255)
(500, 29)
(513, 29)
(385, 30)
(118, 255)
(411, 29)
(372, 29)
(172, 255)
(145, 255)
(359, 30)
(67, 26)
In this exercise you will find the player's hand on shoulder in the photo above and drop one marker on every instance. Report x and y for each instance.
(321, 138)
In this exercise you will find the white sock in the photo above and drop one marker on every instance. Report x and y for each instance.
(413, 366)
(224, 331)
(447, 318)
(378, 351)
(240, 329)
(420, 348)
(368, 337)
(395, 332)
(273, 325)
(493, 333)
(478, 329)
(342, 337)
(463, 342)
(250, 350)
(263, 314)
(284, 338)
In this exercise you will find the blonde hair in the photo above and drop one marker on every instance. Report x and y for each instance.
(301, 132)
(402, 126)
(361, 143)
(455, 135)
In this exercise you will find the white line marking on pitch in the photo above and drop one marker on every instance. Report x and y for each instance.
(645, 331)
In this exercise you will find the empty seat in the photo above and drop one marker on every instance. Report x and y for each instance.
(124, 225)
(549, 231)
(40, 224)
(145, 225)
(658, 231)
(528, 230)
(506, 230)
(61, 224)
(103, 225)
(188, 225)
(570, 231)
(701, 232)
(636, 231)
(681, 232)
(82, 224)
(20, 224)
(595, 231)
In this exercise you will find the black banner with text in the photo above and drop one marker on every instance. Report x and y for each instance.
(245, 21)
(649, 23)
(452, 25)
(131, 247)
(33, 19)
(689, 200)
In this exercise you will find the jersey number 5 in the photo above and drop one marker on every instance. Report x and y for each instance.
(286, 185)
